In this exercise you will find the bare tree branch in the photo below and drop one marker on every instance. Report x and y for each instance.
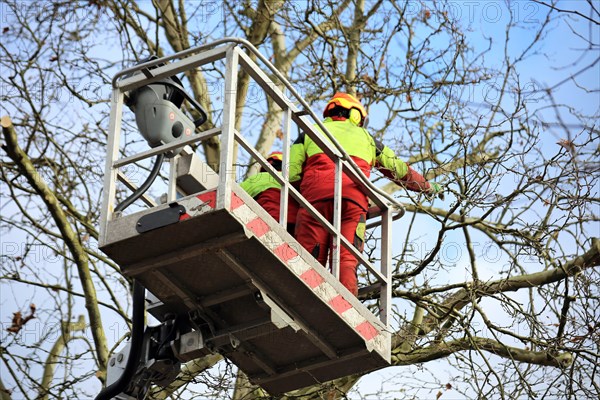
(66, 334)
(73, 242)
(441, 350)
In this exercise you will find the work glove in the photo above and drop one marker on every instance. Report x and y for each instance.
(435, 190)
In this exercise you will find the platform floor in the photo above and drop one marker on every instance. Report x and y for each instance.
(271, 308)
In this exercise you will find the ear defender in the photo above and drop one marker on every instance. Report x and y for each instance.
(355, 117)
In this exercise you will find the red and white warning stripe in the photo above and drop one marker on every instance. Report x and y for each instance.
(199, 204)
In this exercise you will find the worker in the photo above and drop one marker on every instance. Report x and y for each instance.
(265, 189)
(344, 117)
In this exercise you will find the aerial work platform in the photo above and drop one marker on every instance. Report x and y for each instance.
(223, 266)
(276, 313)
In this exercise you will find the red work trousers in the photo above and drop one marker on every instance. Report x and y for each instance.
(270, 200)
(312, 236)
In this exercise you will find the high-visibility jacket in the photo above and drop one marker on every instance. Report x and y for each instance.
(256, 184)
(316, 171)
(267, 192)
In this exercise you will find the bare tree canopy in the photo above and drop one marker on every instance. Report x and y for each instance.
(496, 287)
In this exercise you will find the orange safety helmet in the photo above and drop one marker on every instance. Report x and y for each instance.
(275, 159)
(348, 102)
(276, 155)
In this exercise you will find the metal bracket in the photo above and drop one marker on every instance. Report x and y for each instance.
(160, 218)
(190, 346)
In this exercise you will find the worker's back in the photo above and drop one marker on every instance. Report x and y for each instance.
(319, 171)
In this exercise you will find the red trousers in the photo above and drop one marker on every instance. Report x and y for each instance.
(317, 240)
(270, 200)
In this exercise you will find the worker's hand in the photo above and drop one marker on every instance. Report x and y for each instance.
(435, 190)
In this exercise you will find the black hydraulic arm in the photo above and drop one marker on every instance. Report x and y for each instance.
(135, 349)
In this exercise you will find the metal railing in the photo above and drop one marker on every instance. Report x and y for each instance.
(235, 58)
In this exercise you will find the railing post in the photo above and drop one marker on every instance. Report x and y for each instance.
(337, 217)
(386, 266)
(112, 153)
(172, 186)
(285, 169)
(226, 170)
